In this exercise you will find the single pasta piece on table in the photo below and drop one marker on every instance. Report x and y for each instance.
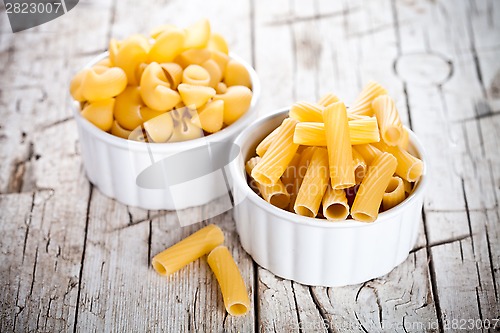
(232, 286)
(188, 250)
(371, 191)
(278, 156)
(339, 146)
(314, 184)
(335, 207)
(389, 122)
(394, 193)
(275, 194)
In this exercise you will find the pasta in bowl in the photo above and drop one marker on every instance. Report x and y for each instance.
(144, 101)
(317, 241)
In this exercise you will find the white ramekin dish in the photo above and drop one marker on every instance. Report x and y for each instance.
(318, 252)
(113, 164)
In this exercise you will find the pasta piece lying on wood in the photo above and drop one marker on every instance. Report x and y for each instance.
(232, 286)
(188, 250)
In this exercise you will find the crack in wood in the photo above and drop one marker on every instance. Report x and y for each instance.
(55, 123)
(444, 242)
(490, 257)
(80, 274)
(432, 273)
(321, 311)
(18, 175)
(33, 273)
(256, 292)
(150, 235)
(359, 322)
(292, 18)
(297, 312)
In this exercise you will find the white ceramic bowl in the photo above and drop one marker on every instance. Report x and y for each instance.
(113, 164)
(313, 251)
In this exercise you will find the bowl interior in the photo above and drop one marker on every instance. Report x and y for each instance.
(251, 137)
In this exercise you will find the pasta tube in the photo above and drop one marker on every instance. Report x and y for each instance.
(409, 167)
(363, 103)
(361, 131)
(328, 99)
(394, 193)
(291, 179)
(368, 152)
(405, 139)
(301, 169)
(408, 186)
(278, 156)
(339, 146)
(314, 184)
(369, 196)
(264, 144)
(188, 250)
(305, 111)
(277, 194)
(389, 122)
(359, 166)
(335, 207)
(232, 286)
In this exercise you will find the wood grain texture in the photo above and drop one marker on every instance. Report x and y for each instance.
(72, 259)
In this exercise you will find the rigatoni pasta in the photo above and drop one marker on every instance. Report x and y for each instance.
(335, 207)
(304, 111)
(371, 190)
(361, 131)
(314, 184)
(394, 193)
(276, 194)
(364, 175)
(339, 146)
(409, 167)
(232, 286)
(188, 250)
(391, 128)
(208, 240)
(363, 103)
(276, 159)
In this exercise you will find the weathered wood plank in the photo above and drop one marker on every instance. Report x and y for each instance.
(119, 255)
(14, 227)
(446, 113)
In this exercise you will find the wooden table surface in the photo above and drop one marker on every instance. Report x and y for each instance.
(74, 260)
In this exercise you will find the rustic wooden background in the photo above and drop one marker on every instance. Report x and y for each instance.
(72, 259)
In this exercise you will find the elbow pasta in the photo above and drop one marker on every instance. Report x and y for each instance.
(337, 165)
(149, 77)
